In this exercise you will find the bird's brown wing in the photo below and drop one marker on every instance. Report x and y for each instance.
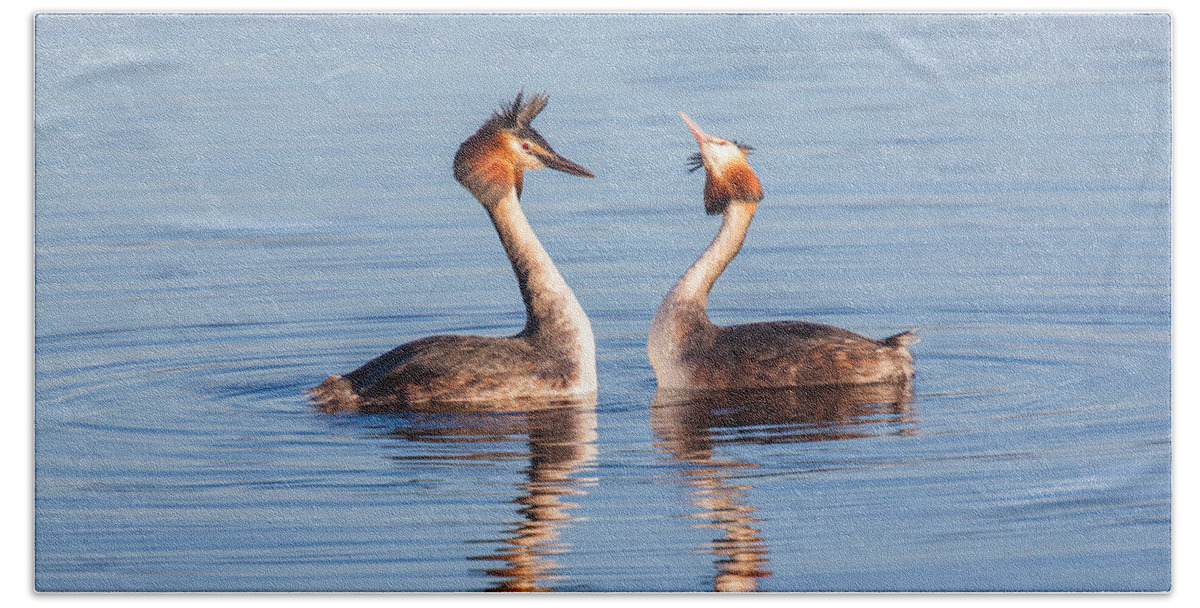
(458, 368)
(796, 353)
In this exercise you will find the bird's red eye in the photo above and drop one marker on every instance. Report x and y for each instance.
(524, 146)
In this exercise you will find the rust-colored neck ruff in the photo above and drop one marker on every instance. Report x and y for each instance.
(733, 181)
(486, 166)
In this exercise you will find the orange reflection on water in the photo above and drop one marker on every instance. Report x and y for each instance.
(561, 442)
(691, 426)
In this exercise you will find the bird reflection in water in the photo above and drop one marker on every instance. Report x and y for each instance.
(690, 427)
(561, 443)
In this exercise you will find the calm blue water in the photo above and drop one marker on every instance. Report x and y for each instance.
(231, 207)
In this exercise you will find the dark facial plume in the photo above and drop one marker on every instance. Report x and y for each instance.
(516, 120)
(695, 161)
(520, 113)
(488, 168)
(727, 175)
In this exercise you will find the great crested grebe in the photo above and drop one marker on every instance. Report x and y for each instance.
(553, 357)
(689, 352)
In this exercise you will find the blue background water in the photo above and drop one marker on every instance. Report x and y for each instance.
(230, 207)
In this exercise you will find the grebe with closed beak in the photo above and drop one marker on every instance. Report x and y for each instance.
(689, 352)
(553, 357)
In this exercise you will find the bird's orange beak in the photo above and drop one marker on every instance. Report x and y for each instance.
(701, 137)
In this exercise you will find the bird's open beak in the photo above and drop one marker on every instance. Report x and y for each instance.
(554, 161)
(701, 137)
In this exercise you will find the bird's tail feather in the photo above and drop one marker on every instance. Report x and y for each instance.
(335, 394)
(902, 339)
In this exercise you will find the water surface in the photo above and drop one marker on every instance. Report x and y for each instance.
(231, 207)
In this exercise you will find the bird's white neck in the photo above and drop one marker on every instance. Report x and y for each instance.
(683, 310)
(554, 318)
(697, 282)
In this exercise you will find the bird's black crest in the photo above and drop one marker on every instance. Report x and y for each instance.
(521, 112)
(695, 161)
